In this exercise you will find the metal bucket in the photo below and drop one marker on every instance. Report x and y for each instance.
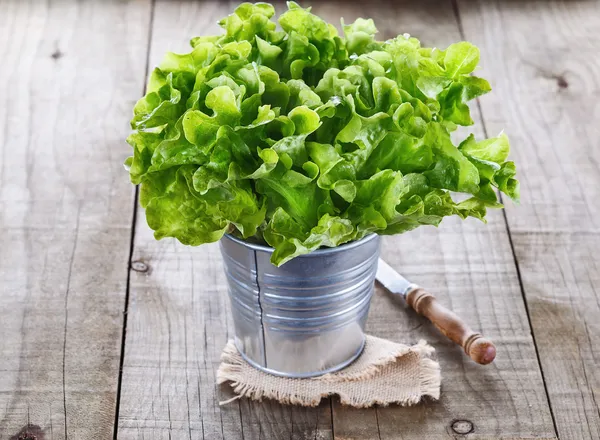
(307, 317)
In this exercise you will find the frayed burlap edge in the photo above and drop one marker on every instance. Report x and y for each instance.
(390, 359)
(386, 357)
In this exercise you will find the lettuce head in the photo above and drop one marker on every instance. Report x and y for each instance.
(300, 137)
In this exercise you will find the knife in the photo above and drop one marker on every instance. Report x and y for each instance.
(478, 348)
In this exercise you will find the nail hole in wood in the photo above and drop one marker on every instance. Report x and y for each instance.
(139, 266)
(57, 54)
(562, 82)
(462, 427)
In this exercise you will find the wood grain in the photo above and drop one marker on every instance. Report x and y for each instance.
(65, 221)
(66, 89)
(469, 267)
(543, 59)
(179, 312)
(177, 326)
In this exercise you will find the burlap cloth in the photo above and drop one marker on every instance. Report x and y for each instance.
(385, 373)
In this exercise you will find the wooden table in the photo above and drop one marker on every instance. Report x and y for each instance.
(105, 332)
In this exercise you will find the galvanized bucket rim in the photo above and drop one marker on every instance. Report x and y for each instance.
(319, 252)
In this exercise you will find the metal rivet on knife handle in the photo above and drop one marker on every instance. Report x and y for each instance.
(478, 348)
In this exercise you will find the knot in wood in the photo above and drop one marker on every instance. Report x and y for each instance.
(562, 82)
(139, 266)
(29, 432)
(57, 54)
(462, 427)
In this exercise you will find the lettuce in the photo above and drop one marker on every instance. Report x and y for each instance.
(302, 138)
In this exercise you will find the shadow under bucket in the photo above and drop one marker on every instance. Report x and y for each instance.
(307, 317)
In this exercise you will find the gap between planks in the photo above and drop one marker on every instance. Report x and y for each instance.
(132, 239)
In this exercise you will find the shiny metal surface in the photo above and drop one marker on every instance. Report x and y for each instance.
(306, 317)
(392, 280)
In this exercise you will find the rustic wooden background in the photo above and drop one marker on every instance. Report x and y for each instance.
(93, 347)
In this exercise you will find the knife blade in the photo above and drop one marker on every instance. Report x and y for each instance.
(392, 280)
(478, 348)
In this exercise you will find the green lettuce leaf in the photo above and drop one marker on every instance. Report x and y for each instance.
(301, 138)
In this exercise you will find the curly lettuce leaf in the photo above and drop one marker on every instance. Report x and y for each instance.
(303, 138)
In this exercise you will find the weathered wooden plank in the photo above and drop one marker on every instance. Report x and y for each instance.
(178, 311)
(469, 263)
(470, 267)
(177, 327)
(543, 59)
(166, 412)
(66, 87)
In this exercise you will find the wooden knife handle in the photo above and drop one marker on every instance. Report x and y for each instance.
(478, 348)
